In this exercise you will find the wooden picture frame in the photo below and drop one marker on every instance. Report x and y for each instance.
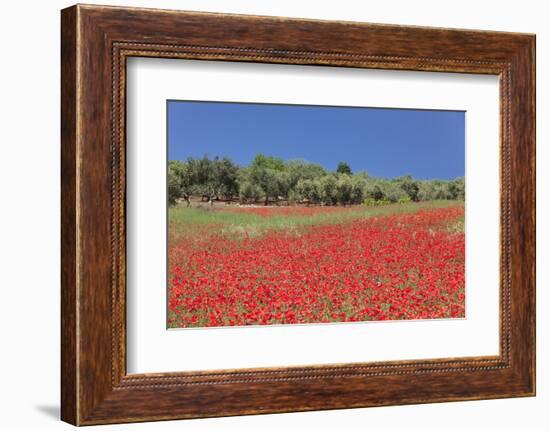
(95, 43)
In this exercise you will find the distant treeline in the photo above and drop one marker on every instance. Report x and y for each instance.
(271, 180)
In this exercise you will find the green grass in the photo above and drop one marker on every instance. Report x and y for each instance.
(184, 220)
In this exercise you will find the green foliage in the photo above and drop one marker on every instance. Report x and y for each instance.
(458, 187)
(303, 170)
(343, 168)
(328, 186)
(270, 179)
(249, 191)
(374, 191)
(358, 189)
(265, 172)
(344, 189)
(173, 184)
(438, 189)
(224, 178)
(307, 190)
(216, 178)
(393, 191)
(268, 162)
(409, 186)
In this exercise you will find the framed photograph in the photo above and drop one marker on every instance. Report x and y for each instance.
(264, 215)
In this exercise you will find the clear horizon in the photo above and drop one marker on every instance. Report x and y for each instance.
(427, 144)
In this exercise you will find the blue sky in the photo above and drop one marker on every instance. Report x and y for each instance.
(426, 144)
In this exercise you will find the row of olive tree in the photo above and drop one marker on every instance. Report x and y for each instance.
(270, 179)
(214, 179)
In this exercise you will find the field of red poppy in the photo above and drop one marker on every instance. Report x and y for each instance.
(244, 265)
